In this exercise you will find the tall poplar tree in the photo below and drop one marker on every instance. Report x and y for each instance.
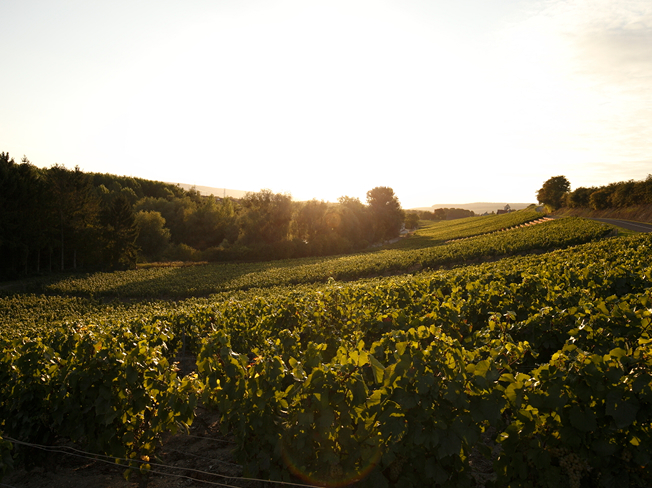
(77, 208)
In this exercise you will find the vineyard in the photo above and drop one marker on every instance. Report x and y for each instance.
(184, 282)
(519, 358)
(440, 232)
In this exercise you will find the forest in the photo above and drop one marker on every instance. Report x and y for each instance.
(556, 193)
(57, 219)
(614, 195)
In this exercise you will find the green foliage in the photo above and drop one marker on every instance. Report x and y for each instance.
(537, 424)
(599, 199)
(394, 381)
(22, 193)
(354, 223)
(211, 223)
(193, 281)
(386, 212)
(153, 238)
(315, 227)
(266, 218)
(579, 198)
(341, 420)
(582, 416)
(120, 234)
(614, 195)
(411, 221)
(175, 211)
(112, 389)
(434, 233)
(55, 212)
(139, 187)
(51, 217)
(553, 190)
(450, 214)
(77, 209)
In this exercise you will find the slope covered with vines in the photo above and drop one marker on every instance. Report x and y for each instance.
(395, 381)
(205, 280)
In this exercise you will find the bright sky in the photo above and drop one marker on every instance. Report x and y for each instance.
(444, 101)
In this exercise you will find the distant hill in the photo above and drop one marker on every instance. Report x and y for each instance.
(218, 192)
(478, 207)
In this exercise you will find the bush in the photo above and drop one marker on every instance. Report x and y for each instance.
(182, 252)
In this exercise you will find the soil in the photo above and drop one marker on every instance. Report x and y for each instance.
(201, 458)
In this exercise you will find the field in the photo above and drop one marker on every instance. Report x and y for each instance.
(515, 358)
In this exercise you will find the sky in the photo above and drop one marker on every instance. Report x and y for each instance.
(443, 101)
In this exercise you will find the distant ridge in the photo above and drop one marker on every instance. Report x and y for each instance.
(478, 207)
(217, 192)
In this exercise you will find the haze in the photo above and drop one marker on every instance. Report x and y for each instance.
(442, 101)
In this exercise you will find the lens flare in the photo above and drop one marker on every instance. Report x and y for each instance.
(305, 464)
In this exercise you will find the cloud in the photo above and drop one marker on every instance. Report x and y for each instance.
(610, 42)
(591, 63)
(598, 174)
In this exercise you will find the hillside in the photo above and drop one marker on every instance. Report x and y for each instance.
(479, 207)
(405, 366)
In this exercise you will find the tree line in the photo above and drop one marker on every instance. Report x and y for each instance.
(60, 219)
(441, 214)
(556, 193)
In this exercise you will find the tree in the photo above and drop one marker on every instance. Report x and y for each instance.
(309, 222)
(386, 212)
(175, 211)
(354, 224)
(440, 214)
(77, 206)
(316, 225)
(23, 223)
(599, 199)
(153, 237)
(265, 218)
(553, 190)
(458, 213)
(624, 194)
(580, 198)
(412, 220)
(38, 217)
(210, 223)
(120, 234)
